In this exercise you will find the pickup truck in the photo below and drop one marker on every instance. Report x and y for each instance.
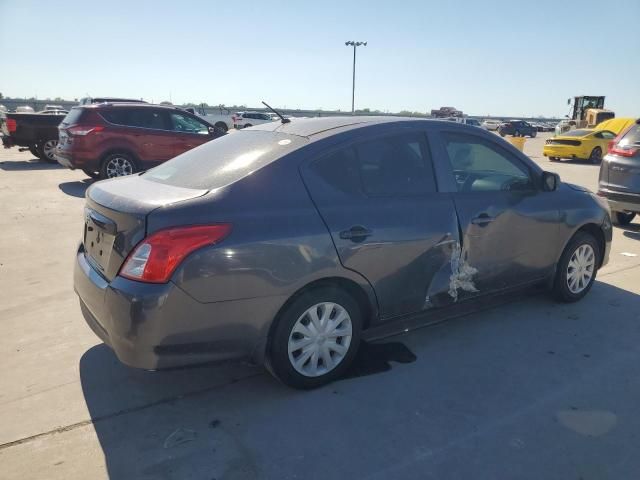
(222, 119)
(36, 132)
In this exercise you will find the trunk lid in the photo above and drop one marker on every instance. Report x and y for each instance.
(116, 217)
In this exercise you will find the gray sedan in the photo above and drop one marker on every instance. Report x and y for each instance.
(287, 244)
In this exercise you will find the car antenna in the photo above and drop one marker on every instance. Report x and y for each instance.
(284, 120)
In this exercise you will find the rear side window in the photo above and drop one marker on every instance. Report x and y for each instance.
(137, 117)
(73, 116)
(398, 165)
(225, 160)
(632, 137)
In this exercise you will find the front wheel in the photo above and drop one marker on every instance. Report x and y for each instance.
(533, 134)
(118, 165)
(577, 268)
(47, 151)
(623, 218)
(91, 173)
(315, 338)
(222, 127)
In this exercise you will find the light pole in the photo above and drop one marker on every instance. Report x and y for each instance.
(353, 44)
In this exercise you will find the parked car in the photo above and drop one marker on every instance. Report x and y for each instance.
(564, 126)
(53, 112)
(109, 140)
(582, 144)
(24, 109)
(36, 132)
(249, 119)
(491, 125)
(464, 120)
(619, 179)
(385, 224)
(517, 128)
(53, 108)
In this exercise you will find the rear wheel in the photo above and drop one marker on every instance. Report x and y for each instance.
(533, 133)
(577, 268)
(247, 125)
(596, 156)
(118, 165)
(623, 218)
(315, 338)
(47, 150)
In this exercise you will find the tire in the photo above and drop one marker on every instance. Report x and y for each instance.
(502, 134)
(533, 134)
(553, 159)
(47, 150)
(596, 156)
(295, 319)
(35, 150)
(222, 126)
(563, 289)
(118, 165)
(247, 125)
(91, 173)
(517, 133)
(623, 218)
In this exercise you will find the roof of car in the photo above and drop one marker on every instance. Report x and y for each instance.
(129, 105)
(307, 127)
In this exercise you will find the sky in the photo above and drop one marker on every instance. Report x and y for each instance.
(484, 57)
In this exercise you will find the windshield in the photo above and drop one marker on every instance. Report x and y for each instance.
(225, 160)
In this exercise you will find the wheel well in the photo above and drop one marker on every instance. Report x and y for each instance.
(596, 232)
(351, 287)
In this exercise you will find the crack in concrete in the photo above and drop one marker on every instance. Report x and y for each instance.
(124, 411)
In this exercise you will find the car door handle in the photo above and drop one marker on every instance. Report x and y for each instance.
(357, 232)
(482, 219)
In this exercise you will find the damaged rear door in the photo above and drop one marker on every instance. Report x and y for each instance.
(509, 225)
(379, 201)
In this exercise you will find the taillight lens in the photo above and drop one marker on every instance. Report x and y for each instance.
(155, 258)
(11, 125)
(82, 130)
(616, 148)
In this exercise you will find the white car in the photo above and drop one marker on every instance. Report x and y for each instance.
(491, 125)
(248, 119)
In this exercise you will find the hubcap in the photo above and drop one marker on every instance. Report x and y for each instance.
(320, 339)
(119, 167)
(49, 148)
(581, 268)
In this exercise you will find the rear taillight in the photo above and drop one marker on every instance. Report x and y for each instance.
(155, 258)
(11, 125)
(81, 130)
(622, 150)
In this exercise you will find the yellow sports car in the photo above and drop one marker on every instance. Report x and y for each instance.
(583, 144)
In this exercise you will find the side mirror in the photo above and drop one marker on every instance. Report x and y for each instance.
(550, 181)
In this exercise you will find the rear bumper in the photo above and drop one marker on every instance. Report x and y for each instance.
(564, 151)
(71, 159)
(155, 326)
(621, 202)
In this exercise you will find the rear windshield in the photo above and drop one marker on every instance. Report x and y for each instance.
(577, 133)
(225, 160)
(73, 116)
(632, 137)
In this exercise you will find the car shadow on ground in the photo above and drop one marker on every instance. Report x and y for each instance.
(77, 188)
(33, 164)
(482, 383)
(631, 231)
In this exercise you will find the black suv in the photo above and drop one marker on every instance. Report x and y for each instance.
(619, 180)
(517, 128)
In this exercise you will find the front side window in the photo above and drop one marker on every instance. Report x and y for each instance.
(480, 165)
(187, 124)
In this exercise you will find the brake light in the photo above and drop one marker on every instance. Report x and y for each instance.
(81, 130)
(622, 150)
(12, 125)
(155, 258)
